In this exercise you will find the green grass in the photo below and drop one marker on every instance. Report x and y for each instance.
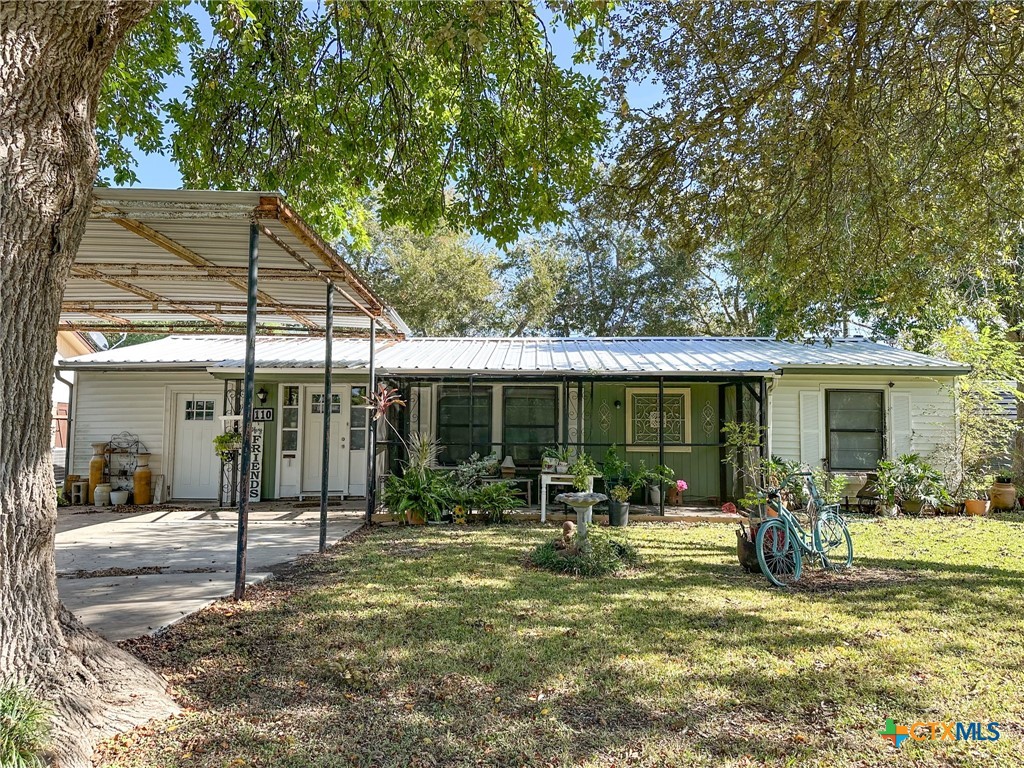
(437, 647)
(24, 728)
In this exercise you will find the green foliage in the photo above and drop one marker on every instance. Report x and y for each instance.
(423, 452)
(581, 470)
(620, 493)
(428, 492)
(617, 471)
(24, 728)
(601, 555)
(226, 445)
(494, 500)
(469, 472)
(984, 435)
(643, 475)
(820, 148)
(439, 110)
(829, 485)
(910, 479)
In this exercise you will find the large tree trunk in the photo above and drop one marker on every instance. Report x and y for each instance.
(52, 59)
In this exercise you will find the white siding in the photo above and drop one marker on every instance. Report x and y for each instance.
(107, 403)
(932, 413)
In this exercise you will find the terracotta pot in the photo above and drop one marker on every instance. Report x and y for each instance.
(415, 517)
(976, 506)
(672, 495)
(1003, 495)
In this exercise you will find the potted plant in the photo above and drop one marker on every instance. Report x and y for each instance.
(227, 445)
(654, 479)
(562, 458)
(674, 493)
(549, 460)
(494, 500)
(582, 470)
(1002, 492)
(418, 496)
(975, 503)
(618, 506)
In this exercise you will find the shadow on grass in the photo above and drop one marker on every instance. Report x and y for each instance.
(437, 647)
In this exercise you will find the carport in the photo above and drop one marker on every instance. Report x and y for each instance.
(212, 262)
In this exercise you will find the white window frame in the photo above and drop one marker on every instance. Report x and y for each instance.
(687, 419)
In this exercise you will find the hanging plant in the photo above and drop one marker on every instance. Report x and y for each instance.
(227, 445)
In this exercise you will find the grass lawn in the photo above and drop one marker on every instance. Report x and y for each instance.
(437, 647)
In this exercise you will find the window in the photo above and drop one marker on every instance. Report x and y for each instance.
(358, 417)
(318, 403)
(642, 419)
(461, 431)
(199, 410)
(855, 422)
(290, 421)
(530, 418)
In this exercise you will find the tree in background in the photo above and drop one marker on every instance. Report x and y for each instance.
(854, 156)
(446, 109)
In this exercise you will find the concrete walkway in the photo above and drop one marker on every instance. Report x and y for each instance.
(126, 576)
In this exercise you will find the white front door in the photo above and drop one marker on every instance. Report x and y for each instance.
(313, 430)
(196, 471)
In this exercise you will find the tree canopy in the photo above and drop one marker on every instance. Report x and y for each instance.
(849, 157)
(442, 110)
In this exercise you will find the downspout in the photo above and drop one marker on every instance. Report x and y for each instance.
(71, 401)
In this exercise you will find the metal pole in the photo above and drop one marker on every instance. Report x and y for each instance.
(763, 417)
(250, 376)
(661, 441)
(325, 469)
(472, 417)
(371, 431)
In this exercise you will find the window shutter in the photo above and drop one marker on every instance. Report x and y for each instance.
(810, 428)
(902, 429)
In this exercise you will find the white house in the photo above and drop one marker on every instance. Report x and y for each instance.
(849, 403)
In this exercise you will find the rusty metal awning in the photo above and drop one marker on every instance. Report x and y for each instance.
(175, 261)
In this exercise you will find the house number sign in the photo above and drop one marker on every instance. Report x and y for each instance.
(262, 414)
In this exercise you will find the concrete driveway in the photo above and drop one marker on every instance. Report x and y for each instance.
(126, 576)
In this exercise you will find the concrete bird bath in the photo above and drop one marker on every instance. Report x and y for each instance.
(583, 503)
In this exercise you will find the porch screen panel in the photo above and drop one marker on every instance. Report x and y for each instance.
(454, 421)
(530, 418)
(856, 428)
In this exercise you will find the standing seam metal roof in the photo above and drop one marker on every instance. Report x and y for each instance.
(603, 356)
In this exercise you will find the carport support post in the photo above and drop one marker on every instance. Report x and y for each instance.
(247, 398)
(325, 468)
(371, 431)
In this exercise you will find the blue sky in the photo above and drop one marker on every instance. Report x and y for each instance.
(159, 171)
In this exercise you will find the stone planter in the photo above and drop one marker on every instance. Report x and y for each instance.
(655, 494)
(117, 498)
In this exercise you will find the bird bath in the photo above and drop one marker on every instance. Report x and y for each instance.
(584, 504)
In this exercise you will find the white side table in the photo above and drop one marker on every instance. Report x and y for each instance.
(552, 478)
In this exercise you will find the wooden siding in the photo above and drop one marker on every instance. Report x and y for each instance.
(700, 467)
(109, 402)
(932, 420)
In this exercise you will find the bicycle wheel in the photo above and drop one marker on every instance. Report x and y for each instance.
(778, 553)
(836, 544)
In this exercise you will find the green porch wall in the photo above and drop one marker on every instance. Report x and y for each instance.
(700, 467)
(270, 452)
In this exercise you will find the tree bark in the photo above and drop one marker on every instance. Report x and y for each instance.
(52, 60)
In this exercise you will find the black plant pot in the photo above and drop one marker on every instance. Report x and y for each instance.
(618, 513)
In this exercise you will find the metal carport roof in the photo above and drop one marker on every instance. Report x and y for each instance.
(176, 261)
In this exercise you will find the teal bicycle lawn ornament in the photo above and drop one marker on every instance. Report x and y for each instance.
(782, 541)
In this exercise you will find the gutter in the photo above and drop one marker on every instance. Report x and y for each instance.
(867, 370)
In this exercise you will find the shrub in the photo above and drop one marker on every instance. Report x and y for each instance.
(602, 555)
(495, 499)
(24, 728)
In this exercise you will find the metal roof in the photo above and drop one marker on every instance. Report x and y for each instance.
(177, 260)
(532, 355)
